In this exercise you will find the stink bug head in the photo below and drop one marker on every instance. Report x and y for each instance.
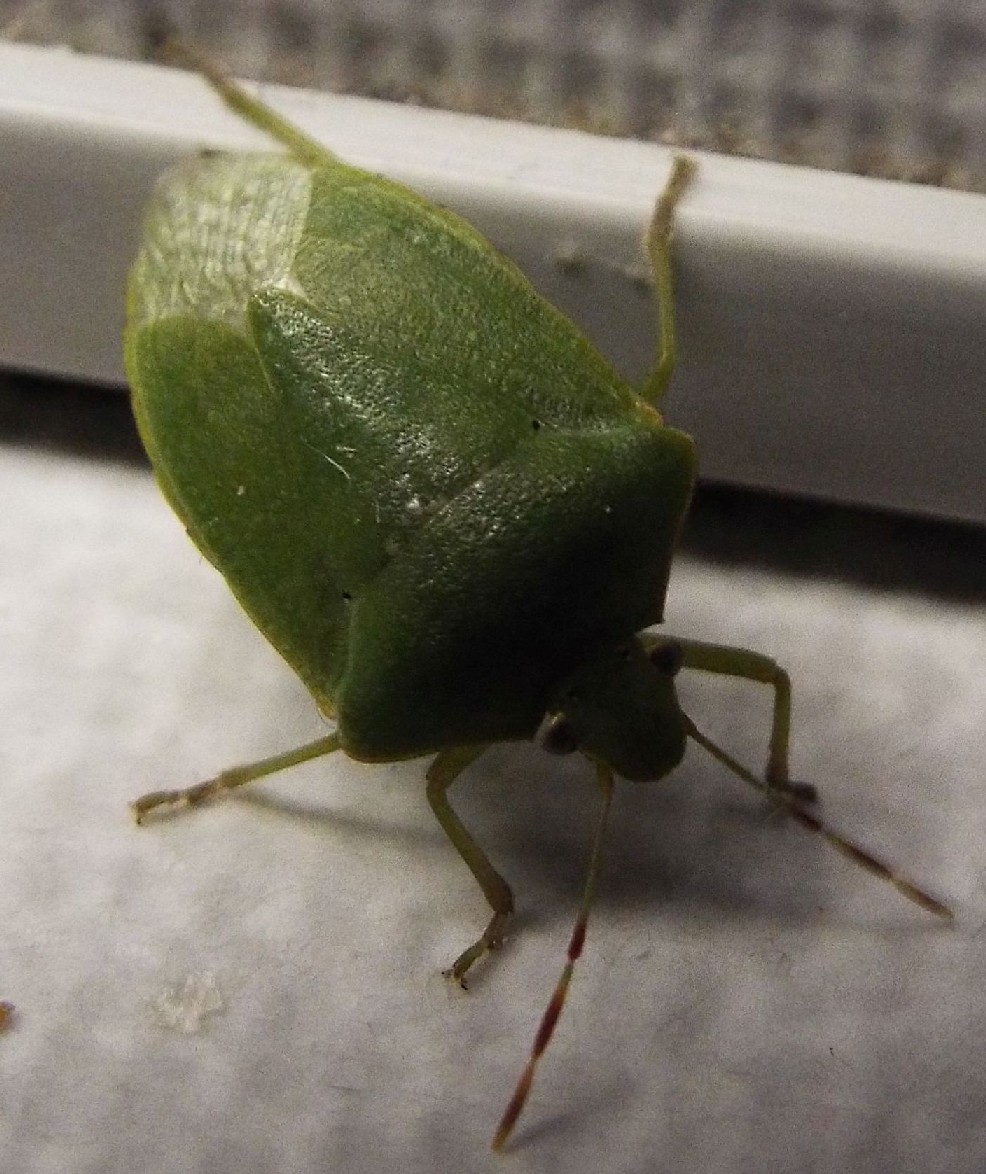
(621, 708)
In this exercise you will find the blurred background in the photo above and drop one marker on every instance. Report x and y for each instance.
(882, 87)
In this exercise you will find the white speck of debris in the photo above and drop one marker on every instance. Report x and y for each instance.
(182, 1008)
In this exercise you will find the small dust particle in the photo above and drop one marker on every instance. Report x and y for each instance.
(182, 1008)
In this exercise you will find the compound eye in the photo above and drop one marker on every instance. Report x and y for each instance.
(667, 657)
(557, 734)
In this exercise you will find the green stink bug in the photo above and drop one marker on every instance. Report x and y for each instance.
(427, 489)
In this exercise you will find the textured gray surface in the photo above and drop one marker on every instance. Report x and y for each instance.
(748, 1000)
(885, 87)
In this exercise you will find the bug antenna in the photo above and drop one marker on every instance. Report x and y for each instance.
(553, 1010)
(788, 800)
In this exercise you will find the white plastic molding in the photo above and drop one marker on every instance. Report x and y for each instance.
(832, 328)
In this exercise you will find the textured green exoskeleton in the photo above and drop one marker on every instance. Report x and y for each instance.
(432, 495)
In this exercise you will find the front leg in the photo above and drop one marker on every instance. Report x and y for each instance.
(441, 775)
(791, 797)
(751, 666)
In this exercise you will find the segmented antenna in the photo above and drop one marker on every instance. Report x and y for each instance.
(788, 800)
(557, 1001)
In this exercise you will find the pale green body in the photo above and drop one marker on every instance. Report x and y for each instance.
(428, 490)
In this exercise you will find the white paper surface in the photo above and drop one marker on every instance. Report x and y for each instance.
(748, 1000)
